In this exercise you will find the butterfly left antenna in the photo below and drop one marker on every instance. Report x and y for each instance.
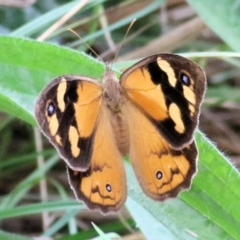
(72, 31)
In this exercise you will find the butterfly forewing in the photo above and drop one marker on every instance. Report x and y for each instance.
(67, 112)
(169, 90)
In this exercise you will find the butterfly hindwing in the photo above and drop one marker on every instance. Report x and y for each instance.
(103, 185)
(169, 90)
(67, 112)
(161, 171)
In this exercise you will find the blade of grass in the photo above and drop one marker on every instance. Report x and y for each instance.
(222, 18)
(47, 19)
(39, 208)
(24, 186)
(61, 222)
(10, 236)
(125, 21)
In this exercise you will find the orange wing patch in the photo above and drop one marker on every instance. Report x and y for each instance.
(161, 171)
(138, 85)
(103, 185)
(87, 107)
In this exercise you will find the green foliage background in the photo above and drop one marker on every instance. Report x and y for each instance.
(210, 210)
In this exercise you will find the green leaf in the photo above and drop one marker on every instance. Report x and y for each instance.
(149, 224)
(104, 236)
(222, 17)
(210, 208)
(29, 65)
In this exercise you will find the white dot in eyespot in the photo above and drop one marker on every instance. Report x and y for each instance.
(108, 187)
(51, 109)
(185, 79)
(159, 175)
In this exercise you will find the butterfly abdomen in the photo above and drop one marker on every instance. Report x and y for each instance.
(121, 133)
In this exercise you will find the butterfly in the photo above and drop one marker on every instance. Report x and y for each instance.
(150, 114)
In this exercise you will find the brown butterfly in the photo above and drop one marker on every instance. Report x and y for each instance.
(150, 114)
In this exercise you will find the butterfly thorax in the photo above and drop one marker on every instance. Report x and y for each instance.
(112, 91)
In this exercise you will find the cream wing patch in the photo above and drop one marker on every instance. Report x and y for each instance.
(166, 67)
